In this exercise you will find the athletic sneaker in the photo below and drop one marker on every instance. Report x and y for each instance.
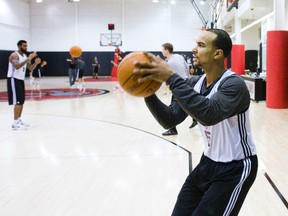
(23, 124)
(18, 127)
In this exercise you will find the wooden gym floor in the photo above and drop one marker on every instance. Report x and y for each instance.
(104, 155)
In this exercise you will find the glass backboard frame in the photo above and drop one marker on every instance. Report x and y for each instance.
(110, 39)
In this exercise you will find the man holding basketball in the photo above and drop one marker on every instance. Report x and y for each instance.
(18, 61)
(219, 100)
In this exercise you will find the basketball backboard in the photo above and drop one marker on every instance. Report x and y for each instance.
(110, 39)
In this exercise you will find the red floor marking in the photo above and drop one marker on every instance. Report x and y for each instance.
(61, 93)
(100, 79)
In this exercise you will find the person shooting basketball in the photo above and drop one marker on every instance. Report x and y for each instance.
(219, 100)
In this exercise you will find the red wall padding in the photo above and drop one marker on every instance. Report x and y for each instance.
(238, 59)
(277, 69)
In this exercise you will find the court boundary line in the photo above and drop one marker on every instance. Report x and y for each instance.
(188, 152)
(190, 167)
(275, 188)
(280, 195)
(273, 185)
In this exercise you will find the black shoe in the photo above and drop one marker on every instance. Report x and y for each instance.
(194, 123)
(172, 131)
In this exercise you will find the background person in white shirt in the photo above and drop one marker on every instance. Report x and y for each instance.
(180, 66)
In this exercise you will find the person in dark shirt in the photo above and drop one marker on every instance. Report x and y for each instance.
(96, 67)
(195, 71)
(71, 71)
(219, 100)
(80, 71)
(37, 74)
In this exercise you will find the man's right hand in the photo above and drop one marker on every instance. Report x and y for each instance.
(32, 55)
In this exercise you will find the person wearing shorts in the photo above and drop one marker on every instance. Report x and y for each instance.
(80, 70)
(96, 67)
(71, 71)
(37, 74)
(18, 62)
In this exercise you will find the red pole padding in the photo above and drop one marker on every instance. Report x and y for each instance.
(238, 59)
(277, 69)
(226, 63)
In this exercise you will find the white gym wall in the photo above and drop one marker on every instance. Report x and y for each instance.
(55, 25)
(14, 23)
(144, 25)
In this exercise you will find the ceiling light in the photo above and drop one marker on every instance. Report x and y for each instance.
(155, 1)
(39, 1)
(173, 2)
(202, 2)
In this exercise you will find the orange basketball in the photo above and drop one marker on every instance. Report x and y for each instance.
(75, 51)
(129, 81)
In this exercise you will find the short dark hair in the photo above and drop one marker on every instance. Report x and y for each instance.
(168, 46)
(222, 41)
(21, 42)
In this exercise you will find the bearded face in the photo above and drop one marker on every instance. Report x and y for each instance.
(23, 47)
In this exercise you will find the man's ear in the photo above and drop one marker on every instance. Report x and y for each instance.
(219, 54)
